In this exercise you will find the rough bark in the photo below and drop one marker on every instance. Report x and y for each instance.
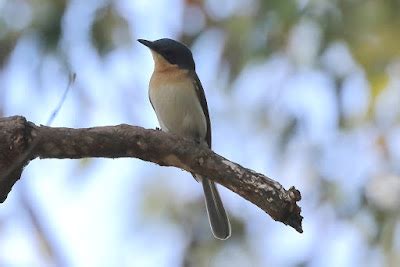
(22, 141)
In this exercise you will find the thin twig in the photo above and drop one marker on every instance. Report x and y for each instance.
(71, 81)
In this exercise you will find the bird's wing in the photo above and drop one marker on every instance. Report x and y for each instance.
(203, 102)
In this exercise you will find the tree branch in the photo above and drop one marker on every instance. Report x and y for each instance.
(22, 141)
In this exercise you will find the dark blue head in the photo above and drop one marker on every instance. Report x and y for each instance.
(174, 52)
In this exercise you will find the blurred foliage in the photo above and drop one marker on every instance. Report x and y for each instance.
(46, 21)
(109, 30)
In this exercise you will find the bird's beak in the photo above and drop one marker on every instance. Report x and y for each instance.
(149, 44)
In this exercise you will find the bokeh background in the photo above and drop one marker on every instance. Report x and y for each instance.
(306, 92)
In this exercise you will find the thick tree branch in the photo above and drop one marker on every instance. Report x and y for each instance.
(22, 141)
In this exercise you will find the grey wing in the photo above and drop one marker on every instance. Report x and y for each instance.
(202, 97)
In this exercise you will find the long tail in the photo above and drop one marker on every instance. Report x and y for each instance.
(217, 216)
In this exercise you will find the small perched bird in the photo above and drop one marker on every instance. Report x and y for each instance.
(179, 102)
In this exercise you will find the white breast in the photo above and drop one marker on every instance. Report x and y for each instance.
(179, 111)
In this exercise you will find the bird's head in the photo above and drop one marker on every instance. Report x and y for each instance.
(175, 53)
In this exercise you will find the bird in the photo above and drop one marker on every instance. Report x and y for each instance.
(178, 99)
